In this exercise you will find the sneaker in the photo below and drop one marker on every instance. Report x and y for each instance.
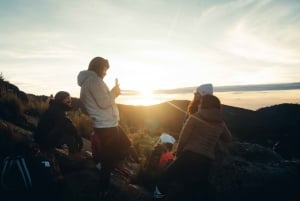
(99, 166)
(157, 194)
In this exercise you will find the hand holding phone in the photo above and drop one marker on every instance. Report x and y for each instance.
(116, 88)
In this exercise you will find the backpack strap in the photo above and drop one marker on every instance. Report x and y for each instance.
(6, 163)
(22, 167)
(24, 171)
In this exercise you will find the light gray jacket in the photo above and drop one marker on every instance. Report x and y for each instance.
(98, 100)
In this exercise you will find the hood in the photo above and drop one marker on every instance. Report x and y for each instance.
(83, 76)
(211, 115)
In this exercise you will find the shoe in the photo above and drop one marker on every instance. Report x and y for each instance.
(99, 166)
(157, 195)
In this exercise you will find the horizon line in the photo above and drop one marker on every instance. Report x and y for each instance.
(225, 88)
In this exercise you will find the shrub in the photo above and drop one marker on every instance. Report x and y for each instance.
(82, 122)
(11, 108)
(36, 107)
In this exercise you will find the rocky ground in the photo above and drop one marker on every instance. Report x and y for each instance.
(242, 171)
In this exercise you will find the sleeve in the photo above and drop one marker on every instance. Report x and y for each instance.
(101, 94)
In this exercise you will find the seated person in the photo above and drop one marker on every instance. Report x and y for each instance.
(160, 157)
(56, 129)
(162, 153)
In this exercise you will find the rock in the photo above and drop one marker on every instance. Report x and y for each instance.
(245, 171)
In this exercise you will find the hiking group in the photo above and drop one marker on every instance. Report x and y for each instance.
(186, 162)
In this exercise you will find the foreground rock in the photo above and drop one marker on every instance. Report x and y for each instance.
(246, 171)
(241, 172)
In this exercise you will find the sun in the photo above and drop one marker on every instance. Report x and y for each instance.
(144, 97)
(145, 93)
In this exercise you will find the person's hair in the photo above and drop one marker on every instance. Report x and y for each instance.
(210, 101)
(60, 96)
(193, 106)
(98, 62)
(169, 146)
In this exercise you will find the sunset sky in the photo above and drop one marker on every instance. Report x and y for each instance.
(151, 44)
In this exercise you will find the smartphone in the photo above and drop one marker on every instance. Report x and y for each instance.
(116, 82)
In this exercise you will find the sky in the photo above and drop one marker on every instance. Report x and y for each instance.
(150, 44)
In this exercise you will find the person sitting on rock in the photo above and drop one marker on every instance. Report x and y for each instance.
(157, 161)
(55, 129)
(162, 154)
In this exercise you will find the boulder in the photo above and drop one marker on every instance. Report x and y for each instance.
(244, 171)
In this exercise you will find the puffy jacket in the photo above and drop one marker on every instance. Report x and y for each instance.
(202, 131)
(98, 100)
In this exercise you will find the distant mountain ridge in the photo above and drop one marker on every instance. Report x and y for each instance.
(254, 87)
(241, 171)
(266, 126)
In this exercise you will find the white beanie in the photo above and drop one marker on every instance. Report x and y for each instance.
(204, 89)
(166, 138)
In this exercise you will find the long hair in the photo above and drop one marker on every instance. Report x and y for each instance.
(193, 106)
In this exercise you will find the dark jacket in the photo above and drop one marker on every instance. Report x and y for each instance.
(55, 129)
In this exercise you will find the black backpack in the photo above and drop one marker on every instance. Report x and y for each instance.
(29, 177)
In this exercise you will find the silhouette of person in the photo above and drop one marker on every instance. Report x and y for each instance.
(99, 102)
(196, 148)
(55, 129)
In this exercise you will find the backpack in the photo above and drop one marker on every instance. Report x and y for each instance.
(27, 177)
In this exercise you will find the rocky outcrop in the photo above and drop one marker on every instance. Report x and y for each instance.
(241, 172)
(245, 171)
(6, 88)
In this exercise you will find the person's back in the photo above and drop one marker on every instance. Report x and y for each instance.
(196, 149)
(155, 156)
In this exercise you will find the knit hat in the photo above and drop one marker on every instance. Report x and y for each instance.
(166, 138)
(204, 89)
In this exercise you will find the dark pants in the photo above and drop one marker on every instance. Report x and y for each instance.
(109, 146)
(190, 170)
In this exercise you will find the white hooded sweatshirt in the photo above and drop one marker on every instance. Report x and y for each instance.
(98, 100)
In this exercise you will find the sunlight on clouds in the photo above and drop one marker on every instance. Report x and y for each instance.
(242, 43)
(150, 44)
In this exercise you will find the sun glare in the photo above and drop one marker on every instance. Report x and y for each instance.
(144, 97)
(145, 93)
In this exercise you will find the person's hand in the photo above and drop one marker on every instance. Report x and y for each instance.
(116, 90)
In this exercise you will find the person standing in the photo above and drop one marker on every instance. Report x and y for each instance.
(109, 142)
